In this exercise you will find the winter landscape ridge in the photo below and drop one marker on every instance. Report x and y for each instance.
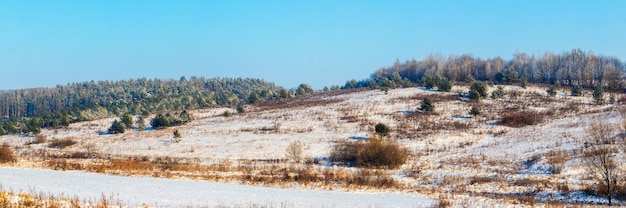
(455, 158)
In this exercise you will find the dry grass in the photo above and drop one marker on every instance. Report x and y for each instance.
(521, 118)
(62, 143)
(6, 155)
(375, 152)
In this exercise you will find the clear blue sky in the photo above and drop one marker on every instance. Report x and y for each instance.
(44, 43)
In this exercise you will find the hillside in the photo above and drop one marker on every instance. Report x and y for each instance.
(454, 157)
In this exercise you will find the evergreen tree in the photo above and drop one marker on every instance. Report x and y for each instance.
(598, 94)
(253, 98)
(117, 127)
(382, 129)
(304, 89)
(577, 90)
(498, 93)
(444, 85)
(127, 119)
(241, 108)
(551, 91)
(141, 123)
(474, 95)
(475, 111)
(480, 87)
(427, 105)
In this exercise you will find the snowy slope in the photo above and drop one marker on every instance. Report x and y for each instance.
(177, 193)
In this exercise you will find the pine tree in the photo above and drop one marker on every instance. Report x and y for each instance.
(382, 129)
(117, 127)
(141, 123)
(127, 119)
(551, 91)
(475, 111)
(598, 94)
(427, 105)
(498, 93)
(577, 90)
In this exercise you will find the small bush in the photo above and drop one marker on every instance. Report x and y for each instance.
(376, 153)
(6, 155)
(475, 111)
(61, 143)
(382, 129)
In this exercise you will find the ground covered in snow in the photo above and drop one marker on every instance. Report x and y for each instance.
(137, 191)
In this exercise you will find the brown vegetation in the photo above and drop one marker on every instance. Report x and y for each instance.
(375, 152)
(6, 155)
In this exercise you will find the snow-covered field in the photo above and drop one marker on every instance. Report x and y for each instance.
(135, 191)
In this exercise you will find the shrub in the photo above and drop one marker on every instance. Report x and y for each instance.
(577, 90)
(6, 155)
(176, 134)
(521, 118)
(382, 129)
(376, 153)
(226, 114)
(61, 143)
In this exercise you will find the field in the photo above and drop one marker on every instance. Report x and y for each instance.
(523, 149)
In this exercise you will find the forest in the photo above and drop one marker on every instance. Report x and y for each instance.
(27, 110)
(570, 68)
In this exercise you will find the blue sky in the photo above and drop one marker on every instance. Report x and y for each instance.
(322, 43)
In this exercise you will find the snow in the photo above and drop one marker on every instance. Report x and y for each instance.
(133, 191)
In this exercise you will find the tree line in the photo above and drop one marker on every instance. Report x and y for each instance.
(27, 110)
(570, 68)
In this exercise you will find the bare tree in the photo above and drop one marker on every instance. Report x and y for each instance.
(599, 153)
(294, 152)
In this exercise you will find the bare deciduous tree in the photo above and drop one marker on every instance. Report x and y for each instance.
(294, 152)
(599, 152)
